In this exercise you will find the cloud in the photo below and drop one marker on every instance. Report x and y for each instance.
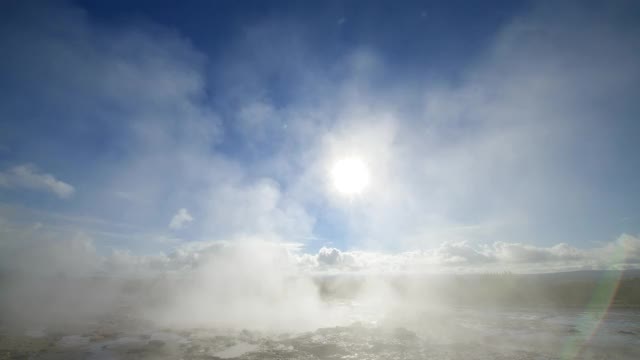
(472, 173)
(28, 177)
(333, 257)
(181, 219)
(462, 160)
(522, 253)
(454, 164)
(450, 253)
(148, 97)
(448, 257)
(463, 257)
(45, 248)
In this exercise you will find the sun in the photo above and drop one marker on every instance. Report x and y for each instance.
(350, 176)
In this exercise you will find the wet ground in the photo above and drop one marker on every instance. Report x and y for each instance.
(463, 334)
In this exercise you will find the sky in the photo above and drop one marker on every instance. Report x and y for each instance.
(494, 136)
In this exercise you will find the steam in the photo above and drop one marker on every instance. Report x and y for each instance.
(448, 199)
(250, 283)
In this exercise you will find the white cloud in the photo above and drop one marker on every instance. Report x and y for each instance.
(45, 248)
(463, 257)
(464, 160)
(453, 172)
(334, 257)
(150, 88)
(181, 219)
(463, 166)
(28, 177)
(449, 253)
(522, 253)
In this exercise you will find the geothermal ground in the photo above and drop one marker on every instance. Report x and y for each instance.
(445, 334)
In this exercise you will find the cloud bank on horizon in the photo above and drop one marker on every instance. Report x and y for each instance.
(491, 143)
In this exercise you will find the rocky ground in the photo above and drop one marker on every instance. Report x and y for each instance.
(466, 335)
(351, 342)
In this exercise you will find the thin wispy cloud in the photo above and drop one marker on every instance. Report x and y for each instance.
(350, 179)
(223, 165)
(29, 177)
(513, 147)
(181, 219)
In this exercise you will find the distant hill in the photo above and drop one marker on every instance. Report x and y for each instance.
(564, 289)
(588, 275)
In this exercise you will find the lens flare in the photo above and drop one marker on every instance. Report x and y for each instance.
(594, 314)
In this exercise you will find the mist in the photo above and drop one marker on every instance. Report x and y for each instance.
(249, 298)
(319, 180)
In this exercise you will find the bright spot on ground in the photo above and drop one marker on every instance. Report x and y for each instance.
(350, 176)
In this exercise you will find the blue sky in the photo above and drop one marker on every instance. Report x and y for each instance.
(148, 126)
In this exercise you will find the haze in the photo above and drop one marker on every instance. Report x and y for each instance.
(319, 180)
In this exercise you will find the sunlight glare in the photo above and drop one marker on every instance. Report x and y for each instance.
(350, 176)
